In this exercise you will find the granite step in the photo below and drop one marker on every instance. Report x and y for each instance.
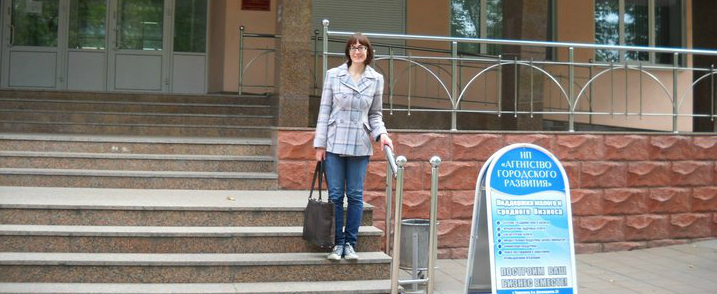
(144, 239)
(137, 179)
(114, 117)
(315, 287)
(130, 161)
(134, 144)
(135, 106)
(137, 97)
(25, 267)
(136, 129)
(137, 207)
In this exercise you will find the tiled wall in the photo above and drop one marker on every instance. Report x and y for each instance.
(628, 191)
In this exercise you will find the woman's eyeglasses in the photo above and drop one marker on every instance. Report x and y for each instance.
(358, 48)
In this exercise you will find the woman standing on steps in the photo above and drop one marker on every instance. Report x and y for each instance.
(350, 118)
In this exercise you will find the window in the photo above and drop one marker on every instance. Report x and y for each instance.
(655, 23)
(477, 19)
(35, 22)
(190, 21)
(87, 24)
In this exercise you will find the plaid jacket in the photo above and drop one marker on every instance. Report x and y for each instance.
(350, 114)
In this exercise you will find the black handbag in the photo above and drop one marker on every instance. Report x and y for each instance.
(319, 220)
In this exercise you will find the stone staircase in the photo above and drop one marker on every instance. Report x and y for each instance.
(150, 141)
(136, 114)
(62, 160)
(85, 240)
(145, 193)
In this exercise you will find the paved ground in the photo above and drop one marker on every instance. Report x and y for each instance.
(689, 268)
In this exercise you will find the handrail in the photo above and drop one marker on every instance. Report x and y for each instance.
(575, 105)
(391, 160)
(433, 230)
(391, 172)
(401, 162)
(529, 43)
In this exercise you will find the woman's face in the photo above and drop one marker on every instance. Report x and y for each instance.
(358, 53)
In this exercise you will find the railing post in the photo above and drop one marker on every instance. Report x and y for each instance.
(316, 60)
(676, 64)
(390, 79)
(391, 171)
(401, 162)
(325, 41)
(454, 85)
(640, 75)
(712, 93)
(590, 93)
(531, 87)
(387, 223)
(571, 80)
(499, 81)
(433, 230)
(515, 87)
(241, 59)
(612, 88)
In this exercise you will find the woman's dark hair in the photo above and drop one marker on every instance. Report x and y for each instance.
(363, 40)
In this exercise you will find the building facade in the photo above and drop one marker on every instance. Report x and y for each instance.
(198, 46)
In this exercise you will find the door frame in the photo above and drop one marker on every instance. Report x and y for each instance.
(60, 50)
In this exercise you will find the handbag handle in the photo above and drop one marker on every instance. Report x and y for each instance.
(319, 172)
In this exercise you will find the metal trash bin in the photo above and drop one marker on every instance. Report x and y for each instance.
(409, 228)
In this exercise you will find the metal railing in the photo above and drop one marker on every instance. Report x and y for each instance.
(576, 92)
(395, 168)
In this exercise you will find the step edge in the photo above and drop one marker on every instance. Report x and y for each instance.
(160, 231)
(137, 156)
(133, 139)
(136, 103)
(346, 287)
(165, 114)
(182, 259)
(139, 174)
(238, 128)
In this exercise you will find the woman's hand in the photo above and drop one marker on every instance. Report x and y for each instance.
(386, 141)
(320, 154)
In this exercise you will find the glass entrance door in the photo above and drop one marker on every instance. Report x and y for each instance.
(138, 42)
(105, 45)
(87, 45)
(31, 54)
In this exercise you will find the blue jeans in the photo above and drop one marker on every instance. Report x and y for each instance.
(345, 175)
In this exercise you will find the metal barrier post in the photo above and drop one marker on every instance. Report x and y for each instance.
(454, 85)
(676, 63)
(390, 79)
(316, 60)
(401, 162)
(433, 231)
(391, 171)
(241, 59)
(712, 93)
(325, 41)
(571, 80)
(499, 88)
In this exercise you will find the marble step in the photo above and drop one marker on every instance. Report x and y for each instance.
(137, 207)
(135, 106)
(114, 117)
(314, 287)
(145, 162)
(136, 129)
(136, 97)
(144, 239)
(30, 177)
(24, 267)
(134, 144)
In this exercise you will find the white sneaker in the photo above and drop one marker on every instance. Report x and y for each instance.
(349, 253)
(336, 253)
